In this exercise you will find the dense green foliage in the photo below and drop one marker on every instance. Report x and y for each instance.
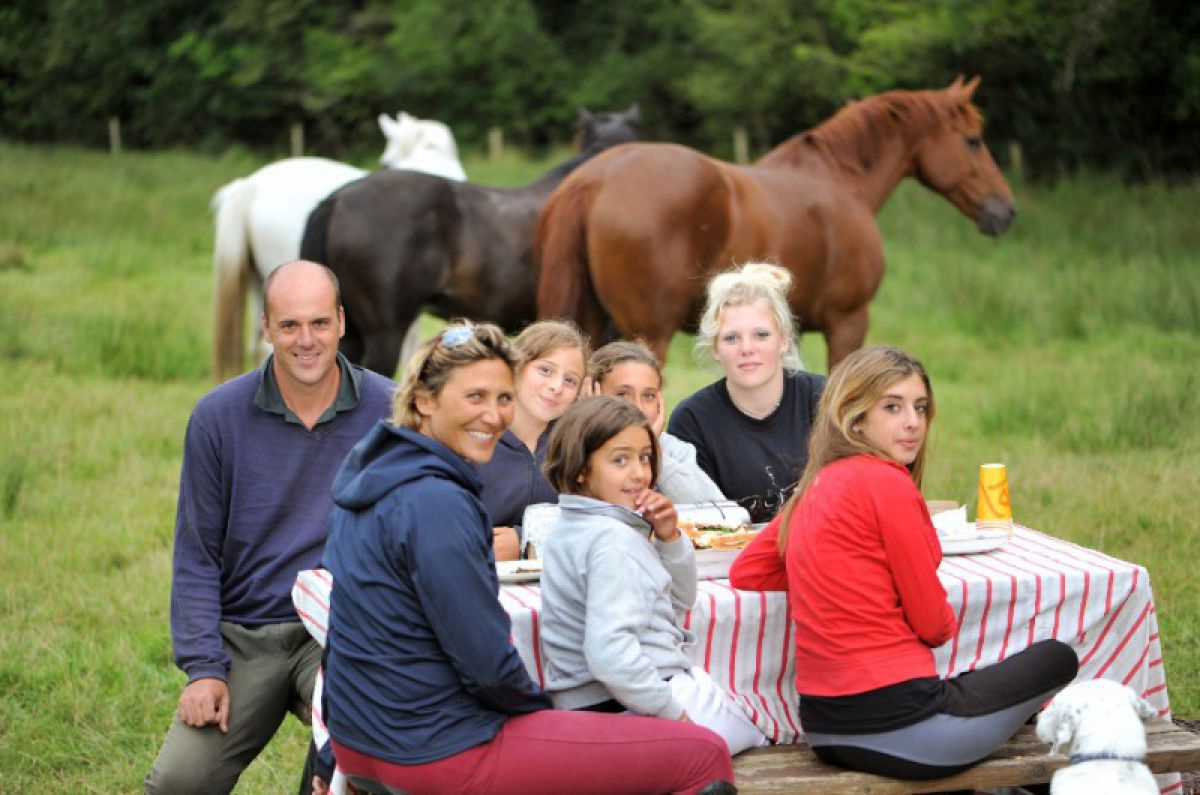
(1065, 348)
(1109, 84)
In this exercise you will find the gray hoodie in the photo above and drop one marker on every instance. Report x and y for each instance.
(681, 479)
(612, 609)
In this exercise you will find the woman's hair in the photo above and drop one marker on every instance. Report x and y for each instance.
(752, 283)
(854, 386)
(584, 429)
(614, 354)
(541, 338)
(461, 343)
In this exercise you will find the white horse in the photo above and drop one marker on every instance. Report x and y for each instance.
(260, 222)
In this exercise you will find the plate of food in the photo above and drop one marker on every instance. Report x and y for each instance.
(511, 571)
(706, 535)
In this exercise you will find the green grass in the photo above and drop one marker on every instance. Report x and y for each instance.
(1065, 348)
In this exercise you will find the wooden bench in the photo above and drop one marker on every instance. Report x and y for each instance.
(1022, 760)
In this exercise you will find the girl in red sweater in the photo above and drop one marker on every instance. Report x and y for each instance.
(856, 551)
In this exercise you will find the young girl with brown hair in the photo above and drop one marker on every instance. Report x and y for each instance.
(618, 577)
(628, 371)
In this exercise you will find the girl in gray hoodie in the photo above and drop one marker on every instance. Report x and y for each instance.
(618, 578)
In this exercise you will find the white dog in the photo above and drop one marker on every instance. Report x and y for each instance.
(1101, 721)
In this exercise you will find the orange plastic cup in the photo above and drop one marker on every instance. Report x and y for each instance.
(994, 509)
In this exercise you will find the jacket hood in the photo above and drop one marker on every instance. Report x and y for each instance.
(388, 457)
(579, 505)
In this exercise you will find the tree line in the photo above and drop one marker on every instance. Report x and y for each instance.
(1110, 85)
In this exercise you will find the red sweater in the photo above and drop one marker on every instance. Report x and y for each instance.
(861, 573)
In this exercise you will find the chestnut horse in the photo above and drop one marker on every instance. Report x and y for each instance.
(632, 236)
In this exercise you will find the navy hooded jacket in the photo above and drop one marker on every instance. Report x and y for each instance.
(419, 665)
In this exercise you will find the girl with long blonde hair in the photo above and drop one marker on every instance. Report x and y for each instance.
(857, 553)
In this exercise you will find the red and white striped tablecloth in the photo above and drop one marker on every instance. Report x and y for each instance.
(1032, 588)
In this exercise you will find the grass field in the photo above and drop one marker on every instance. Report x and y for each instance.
(1066, 349)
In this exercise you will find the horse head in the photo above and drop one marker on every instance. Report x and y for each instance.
(420, 145)
(601, 130)
(402, 134)
(436, 137)
(955, 162)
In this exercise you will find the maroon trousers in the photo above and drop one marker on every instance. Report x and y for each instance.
(556, 751)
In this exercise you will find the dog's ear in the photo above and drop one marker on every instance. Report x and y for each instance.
(1065, 732)
(1144, 709)
(1056, 725)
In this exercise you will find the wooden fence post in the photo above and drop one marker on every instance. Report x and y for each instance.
(114, 135)
(741, 145)
(297, 139)
(1015, 161)
(495, 143)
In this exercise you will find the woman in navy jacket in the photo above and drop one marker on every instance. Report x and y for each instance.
(424, 691)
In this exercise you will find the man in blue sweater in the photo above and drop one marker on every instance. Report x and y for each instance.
(259, 458)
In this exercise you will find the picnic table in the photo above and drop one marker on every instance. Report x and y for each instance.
(1033, 587)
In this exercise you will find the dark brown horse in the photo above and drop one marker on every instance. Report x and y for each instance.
(403, 241)
(634, 234)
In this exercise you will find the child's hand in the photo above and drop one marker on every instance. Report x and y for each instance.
(660, 422)
(590, 388)
(660, 513)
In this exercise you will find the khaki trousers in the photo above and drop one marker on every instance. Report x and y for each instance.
(272, 672)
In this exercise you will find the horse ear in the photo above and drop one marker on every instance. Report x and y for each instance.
(958, 81)
(968, 90)
(584, 115)
(387, 124)
(404, 118)
(634, 114)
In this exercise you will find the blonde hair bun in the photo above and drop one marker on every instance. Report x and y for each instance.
(753, 283)
(775, 276)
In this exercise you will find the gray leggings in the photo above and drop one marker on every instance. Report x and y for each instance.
(984, 708)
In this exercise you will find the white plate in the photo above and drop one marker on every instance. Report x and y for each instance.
(973, 544)
(519, 570)
(727, 514)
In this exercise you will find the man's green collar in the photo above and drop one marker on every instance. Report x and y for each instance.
(270, 399)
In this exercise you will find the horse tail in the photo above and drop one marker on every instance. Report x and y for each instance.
(232, 264)
(565, 284)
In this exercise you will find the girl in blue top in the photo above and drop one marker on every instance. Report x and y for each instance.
(550, 356)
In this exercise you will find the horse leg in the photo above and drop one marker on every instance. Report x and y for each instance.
(660, 345)
(412, 340)
(845, 333)
(351, 345)
(382, 350)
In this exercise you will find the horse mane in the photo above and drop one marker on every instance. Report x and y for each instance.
(558, 173)
(855, 135)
